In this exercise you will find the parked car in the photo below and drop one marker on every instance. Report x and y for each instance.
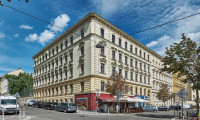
(150, 109)
(193, 113)
(37, 104)
(31, 103)
(163, 108)
(66, 107)
(26, 103)
(49, 105)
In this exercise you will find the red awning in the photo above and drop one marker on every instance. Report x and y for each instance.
(106, 99)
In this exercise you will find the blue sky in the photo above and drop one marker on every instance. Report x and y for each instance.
(21, 36)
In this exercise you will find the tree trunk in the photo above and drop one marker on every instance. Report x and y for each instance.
(197, 101)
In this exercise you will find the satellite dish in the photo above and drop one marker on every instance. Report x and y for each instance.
(182, 93)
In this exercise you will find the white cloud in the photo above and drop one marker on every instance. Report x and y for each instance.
(16, 35)
(6, 69)
(189, 26)
(27, 27)
(2, 35)
(60, 21)
(31, 37)
(46, 36)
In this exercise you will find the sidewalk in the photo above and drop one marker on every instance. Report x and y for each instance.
(14, 117)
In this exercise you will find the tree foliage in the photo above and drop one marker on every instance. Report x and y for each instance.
(20, 83)
(115, 82)
(184, 58)
(164, 93)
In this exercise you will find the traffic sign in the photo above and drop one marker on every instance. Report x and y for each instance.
(182, 93)
(17, 95)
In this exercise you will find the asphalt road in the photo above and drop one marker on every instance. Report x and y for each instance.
(41, 114)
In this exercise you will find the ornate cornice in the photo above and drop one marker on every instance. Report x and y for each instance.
(103, 60)
(114, 64)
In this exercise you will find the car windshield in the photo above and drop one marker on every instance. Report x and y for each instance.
(8, 101)
(72, 104)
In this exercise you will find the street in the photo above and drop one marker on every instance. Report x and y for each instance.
(33, 113)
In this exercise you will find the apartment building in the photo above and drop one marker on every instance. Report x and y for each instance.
(73, 68)
(4, 82)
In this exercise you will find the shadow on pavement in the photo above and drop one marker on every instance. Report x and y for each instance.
(155, 116)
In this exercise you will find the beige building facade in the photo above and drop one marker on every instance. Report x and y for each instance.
(72, 64)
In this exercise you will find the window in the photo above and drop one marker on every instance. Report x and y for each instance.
(140, 53)
(131, 90)
(71, 100)
(57, 49)
(140, 91)
(131, 76)
(141, 78)
(136, 51)
(148, 57)
(71, 71)
(71, 88)
(53, 91)
(82, 86)
(82, 68)
(113, 55)
(61, 46)
(56, 91)
(49, 54)
(102, 51)
(49, 66)
(113, 70)
(82, 51)
(149, 81)
(102, 68)
(120, 42)
(136, 77)
(46, 56)
(136, 92)
(140, 66)
(144, 55)
(126, 45)
(82, 33)
(126, 74)
(49, 92)
(145, 80)
(102, 86)
(113, 38)
(65, 73)
(120, 57)
(71, 56)
(61, 61)
(126, 60)
(53, 51)
(65, 89)
(57, 62)
(57, 76)
(71, 40)
(66, 43)
(120, 71)
(136, 65)
(102, 32)
(144, 68)
(60, 75)
(66, 58)
(131, 62)
(131, 48)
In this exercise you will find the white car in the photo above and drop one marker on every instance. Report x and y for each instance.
(31, 102)
(26, 103)
(8, 104)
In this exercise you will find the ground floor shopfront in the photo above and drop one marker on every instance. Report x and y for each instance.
(83, 90)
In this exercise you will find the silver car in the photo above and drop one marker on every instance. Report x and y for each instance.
(150, 109)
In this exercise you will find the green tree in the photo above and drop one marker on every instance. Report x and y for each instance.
(23, 83)
(164, 93)
(184, 58)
